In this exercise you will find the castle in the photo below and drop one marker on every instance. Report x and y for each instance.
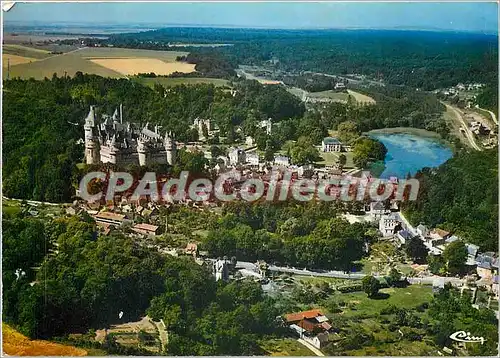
(109, 140)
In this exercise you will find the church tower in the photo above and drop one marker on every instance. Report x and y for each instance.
(91, 143)
(170, 148)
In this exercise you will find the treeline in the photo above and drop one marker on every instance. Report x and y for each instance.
(461, 196)
(92, 278)
(295, 234)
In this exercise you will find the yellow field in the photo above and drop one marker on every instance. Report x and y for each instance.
(132, 66)
(15, 59)
(361, 98)
(15, 344)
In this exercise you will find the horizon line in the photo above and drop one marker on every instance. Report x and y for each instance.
(157, 26)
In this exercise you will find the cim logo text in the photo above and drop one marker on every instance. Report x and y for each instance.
(462, 336)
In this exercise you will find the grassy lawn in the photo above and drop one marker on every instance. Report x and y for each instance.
(361, 98)
(331, 158)
(335, 96)
(285, 347)
(170, 82)
(11, 207)
(361, 305)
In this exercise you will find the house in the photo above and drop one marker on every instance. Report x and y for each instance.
(487, 264)
(389, 224)
(422, 230)
(311, 321)
(221, 270)
(377, 210)
(145, 229)
(436, 237)
(237, 156)
(330, 144)
(281, 160)
(252, 159)
(471, 254)
(110, 218)
(339, 86)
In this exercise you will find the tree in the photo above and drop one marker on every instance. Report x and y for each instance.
(348, 132)
(370, 285)
(366, 150)
(416, 249)
(455, 255)
(394, 276)
(304, 152)
(342, 160)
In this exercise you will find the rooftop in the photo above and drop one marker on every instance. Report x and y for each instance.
(110, 216)
(330, 140)
(292, 317)
(146, 227)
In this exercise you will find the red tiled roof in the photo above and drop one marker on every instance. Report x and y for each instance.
(441, 233)
(293, 317)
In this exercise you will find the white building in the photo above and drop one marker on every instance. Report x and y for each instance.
(377, 210)
(330, 144)
(266, 124)
(281, 160)
(388, 224)
(252, 159)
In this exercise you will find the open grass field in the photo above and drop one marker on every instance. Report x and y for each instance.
(170, 82)
(15, 344)
(285, 347)
(334, 96)
(133, 66)
(331, 158)
(24, 51)
(82, 60)
(408, 297)
(12, 60)
(11, 206)
(361, 98)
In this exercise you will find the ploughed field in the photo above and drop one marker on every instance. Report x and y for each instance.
(106, 62)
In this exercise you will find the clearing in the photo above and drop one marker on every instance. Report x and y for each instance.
(16, 344)
(331, 158)
(361, 98)
(133, 66)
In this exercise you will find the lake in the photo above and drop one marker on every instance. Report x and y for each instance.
(408, 153)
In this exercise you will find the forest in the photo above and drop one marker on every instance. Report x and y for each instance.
(419, 59)
(461, 196)
(94, 277)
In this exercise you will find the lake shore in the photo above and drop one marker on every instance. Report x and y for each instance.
(407, 130)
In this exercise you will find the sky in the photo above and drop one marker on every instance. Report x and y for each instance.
(458, 16)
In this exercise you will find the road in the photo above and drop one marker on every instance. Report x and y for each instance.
(493, 116)
(349, 276)
(464, 125)
(311, 347)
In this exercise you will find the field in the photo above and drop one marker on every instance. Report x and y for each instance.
(83, 60)
(133, 66)
(334, 96)
(24, 51)
(12, 60)
(15, 344)
(361, 98)
(175, 81)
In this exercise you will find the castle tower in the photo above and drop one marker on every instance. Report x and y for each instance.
(142, 150)
(170, 148)
(91, 143)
